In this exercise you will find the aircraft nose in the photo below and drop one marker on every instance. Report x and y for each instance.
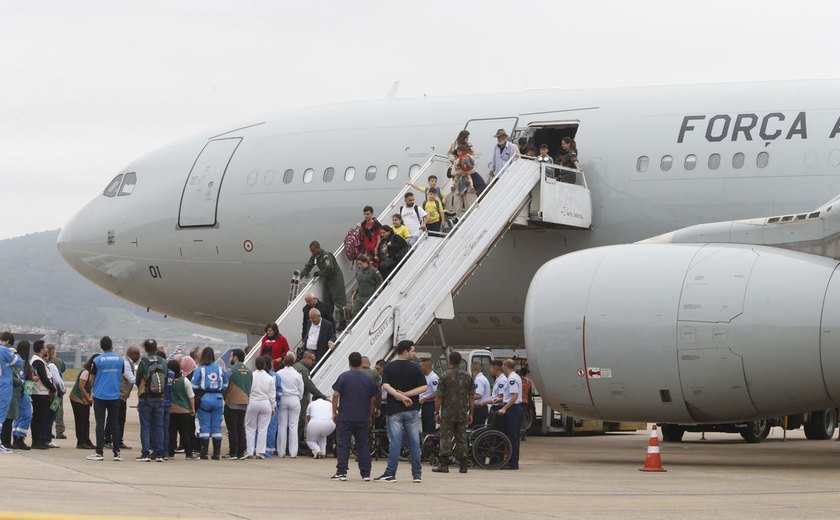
(79, 240)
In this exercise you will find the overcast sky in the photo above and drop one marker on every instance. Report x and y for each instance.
(88, 85)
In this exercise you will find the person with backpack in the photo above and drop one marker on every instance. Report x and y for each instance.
(151, 385)
(210, 382)
(330, 272)
(433, 187)
(370, 232)
(399, 227)
(414, 217)
(434, 208)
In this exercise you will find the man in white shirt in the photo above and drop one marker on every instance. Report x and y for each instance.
(58, 381)
(427, 398)
(502, 152)
(320, 335)
(511, 411)
(414, 217)
(482, 395)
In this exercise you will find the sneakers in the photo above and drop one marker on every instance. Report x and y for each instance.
(95, 456)
(366, 479)
(52, 445)
(339, 476)
(417, 479)
(117, 457)
(143, 458)
(385, 478)
(5, 450)
(193, 457)
(60, 436)
(159, 459)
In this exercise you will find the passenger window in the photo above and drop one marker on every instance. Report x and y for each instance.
(128, 184)
(738, 160)
(714, 161)
(642, 163)
(415, 168)
(307, 175)
(253, 175)
(665, 164)
(690, 162)
(349, 174)
(762, 160)
(268, 177)
(113, 186)
(393, 171)
(288, 177)
(370, 174)
(329, 173)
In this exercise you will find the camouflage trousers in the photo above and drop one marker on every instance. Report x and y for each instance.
(453, 432)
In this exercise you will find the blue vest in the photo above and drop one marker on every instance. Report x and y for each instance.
(109, 371)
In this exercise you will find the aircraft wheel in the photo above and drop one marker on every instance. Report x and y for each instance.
(821, 425)
(672, 433)
(755, 431)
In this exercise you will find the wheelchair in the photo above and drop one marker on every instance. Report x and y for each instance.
(487, 446)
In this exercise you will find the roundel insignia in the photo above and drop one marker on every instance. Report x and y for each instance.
(581, 373)
(212, 376)
(248, 246)
(434, 383)
(511, 382)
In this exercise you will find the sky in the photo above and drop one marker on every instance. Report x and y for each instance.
(88, 85)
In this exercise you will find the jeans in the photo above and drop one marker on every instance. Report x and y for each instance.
(151, 427)
(358, 430)
(407, 423)
(166, 421)
(112, 407)
(271, 435)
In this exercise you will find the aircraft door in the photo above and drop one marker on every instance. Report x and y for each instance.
(481, 136)
(200, 199)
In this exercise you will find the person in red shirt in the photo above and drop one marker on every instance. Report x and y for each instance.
(274, 345)
(370, 233)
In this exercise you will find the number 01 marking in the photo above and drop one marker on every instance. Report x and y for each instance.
(155, 271)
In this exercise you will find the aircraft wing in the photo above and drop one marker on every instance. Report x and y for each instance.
(816, 232)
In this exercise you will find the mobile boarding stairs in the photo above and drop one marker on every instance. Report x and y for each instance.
(420, 290)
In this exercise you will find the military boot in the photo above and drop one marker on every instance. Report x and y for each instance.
(217, 448)
(462, 465)
(443, 467)
(205, 444)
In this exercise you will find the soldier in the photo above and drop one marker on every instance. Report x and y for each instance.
(454, 395)
(368, 280)
(328, 269)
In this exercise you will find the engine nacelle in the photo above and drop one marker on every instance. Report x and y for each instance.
(685, 332)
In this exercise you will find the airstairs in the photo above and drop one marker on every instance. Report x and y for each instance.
(421, 289)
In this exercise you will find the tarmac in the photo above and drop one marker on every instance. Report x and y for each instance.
(559, 477)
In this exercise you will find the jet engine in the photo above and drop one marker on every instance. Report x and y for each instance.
(685, 333)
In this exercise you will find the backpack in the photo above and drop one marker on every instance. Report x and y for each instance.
(156, 378)
(353, 244)
(416, 212)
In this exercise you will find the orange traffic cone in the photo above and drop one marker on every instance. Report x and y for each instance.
(653, 462)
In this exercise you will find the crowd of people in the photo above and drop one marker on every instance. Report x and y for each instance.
(183, 401)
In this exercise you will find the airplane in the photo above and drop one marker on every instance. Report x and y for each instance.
(210, 229)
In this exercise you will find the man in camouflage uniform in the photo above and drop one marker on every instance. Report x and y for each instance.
(328, 269)
(453, 410)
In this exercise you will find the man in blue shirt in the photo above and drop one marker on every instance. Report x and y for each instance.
(105, 377)
(354, 401)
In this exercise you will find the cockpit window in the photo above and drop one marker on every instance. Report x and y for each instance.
(113, 186)
(128, 183)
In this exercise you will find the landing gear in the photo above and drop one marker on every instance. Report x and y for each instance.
(756, 431)
(672, 433)
(821, 424)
